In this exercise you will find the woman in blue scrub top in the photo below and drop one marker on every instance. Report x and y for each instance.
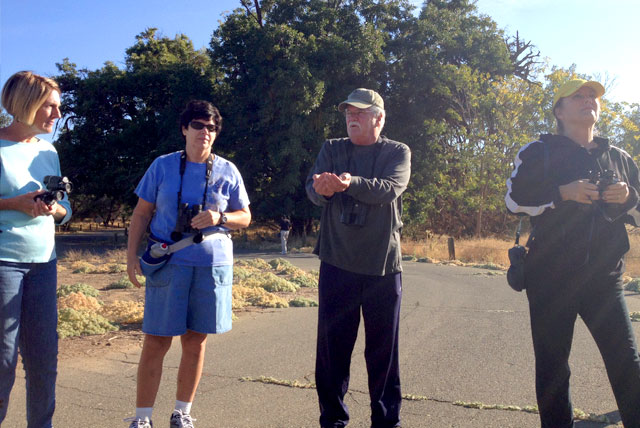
(190, 296)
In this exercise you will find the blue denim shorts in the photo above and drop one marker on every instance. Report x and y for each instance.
(180, 298)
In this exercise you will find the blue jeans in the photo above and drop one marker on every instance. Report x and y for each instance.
(28, 322)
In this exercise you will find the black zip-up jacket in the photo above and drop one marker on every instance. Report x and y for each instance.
(567, 235)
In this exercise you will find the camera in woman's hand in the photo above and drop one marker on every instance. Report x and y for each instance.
(56, 189)
(603, 179)
(186, 213)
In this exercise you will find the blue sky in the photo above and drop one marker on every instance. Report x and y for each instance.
(600, 37)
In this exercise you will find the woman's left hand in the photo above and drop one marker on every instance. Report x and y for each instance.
(617, 193)
(205, 219)
(40, 208)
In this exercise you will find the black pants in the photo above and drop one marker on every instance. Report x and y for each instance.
(342, 294)
(599, 300)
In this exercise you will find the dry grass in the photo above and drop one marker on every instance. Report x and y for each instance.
(123, 312)
(256, 296)
(116, 256)
(494, 250)
(479, 251)
(633, 257)
(79, 301)
(266, 237)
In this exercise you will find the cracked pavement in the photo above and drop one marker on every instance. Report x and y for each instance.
(464, 337)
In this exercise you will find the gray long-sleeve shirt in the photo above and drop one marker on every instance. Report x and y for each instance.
(367, 241)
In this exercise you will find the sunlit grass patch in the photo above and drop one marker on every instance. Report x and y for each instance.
(114, 268)
(256, 296)
(302, 302)
(76, 256)
(81, 266)
(122, 283)
(283, 267)
(123, 312)
(303, 279)
(79, 287)
(241, 273)
(79, 301)
(259, 264)
(489, 266)
(72, 322)
(473, 250)
(270, 282)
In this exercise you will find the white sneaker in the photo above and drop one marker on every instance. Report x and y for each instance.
(181, 420)
(139, 423)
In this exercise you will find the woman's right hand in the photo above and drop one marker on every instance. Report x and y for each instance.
(133, 269)
(581, 191)
(26, 203)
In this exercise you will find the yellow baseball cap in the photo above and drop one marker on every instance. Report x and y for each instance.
(570, 88)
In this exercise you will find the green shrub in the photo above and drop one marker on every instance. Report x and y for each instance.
(241, 273)
(116, 267)
(489, 266)
(254, 263)
(301, 302)
(72, 322)
(122, 283)
(82, 267)
(283, 267)
(270, 282)
(303, 279)
(79, 287)
(256, 296)
(633, 285)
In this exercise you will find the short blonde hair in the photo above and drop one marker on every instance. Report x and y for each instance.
(24, 93)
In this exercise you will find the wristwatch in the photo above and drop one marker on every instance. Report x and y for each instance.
(223, 219)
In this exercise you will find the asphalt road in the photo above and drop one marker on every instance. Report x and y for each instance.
(464, 338)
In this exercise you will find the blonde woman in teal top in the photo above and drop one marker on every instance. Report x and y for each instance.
(28, 277)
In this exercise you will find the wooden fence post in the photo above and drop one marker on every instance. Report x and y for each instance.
(452, 249)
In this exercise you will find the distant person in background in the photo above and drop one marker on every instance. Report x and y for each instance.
(579, 192)
(358, 182)
(285, 228)
(190, 296)
(28, 275)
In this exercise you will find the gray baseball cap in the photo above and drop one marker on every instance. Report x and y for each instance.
(362, 98)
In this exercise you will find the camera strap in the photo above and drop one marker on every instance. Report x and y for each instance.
(519, 228)
(183, 167)
(185, 242)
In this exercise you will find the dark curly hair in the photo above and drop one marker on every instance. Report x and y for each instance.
(199, 109)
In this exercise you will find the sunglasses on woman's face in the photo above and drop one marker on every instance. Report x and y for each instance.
(199, 125)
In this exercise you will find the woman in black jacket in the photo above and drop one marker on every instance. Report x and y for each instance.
(579, 192)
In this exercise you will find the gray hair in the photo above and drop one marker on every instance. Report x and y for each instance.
(377, 110)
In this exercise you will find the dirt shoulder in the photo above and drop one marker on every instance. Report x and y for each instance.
(99, 251)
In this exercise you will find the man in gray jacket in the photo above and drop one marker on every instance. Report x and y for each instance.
(358, 181)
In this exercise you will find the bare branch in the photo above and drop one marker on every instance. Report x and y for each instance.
(250, 12)
(524, 56)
